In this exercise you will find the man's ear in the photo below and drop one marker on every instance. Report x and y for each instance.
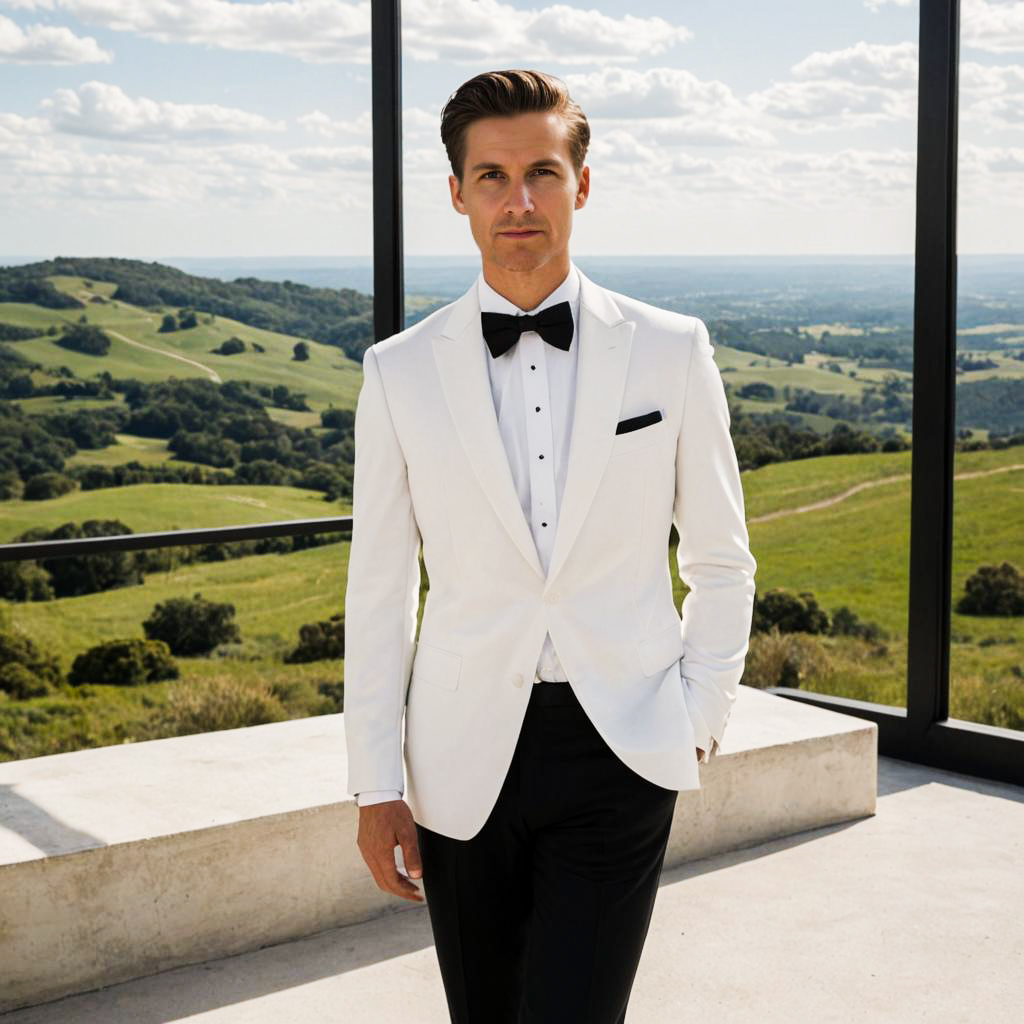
(583, 188)
(456, 190)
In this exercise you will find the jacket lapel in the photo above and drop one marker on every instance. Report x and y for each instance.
(605, 339)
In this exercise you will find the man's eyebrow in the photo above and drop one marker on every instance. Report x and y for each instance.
(545, 162)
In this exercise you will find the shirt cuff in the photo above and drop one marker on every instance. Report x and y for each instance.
(376, 796)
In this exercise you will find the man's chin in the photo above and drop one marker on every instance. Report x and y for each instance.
(519, 257)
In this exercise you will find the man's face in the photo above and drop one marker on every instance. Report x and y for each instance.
(518, 175)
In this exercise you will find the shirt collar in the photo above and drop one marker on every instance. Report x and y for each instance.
(568, 291)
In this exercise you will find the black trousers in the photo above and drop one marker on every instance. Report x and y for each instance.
(541, 917)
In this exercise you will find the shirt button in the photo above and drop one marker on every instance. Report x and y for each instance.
(517, 679)
(552, 597)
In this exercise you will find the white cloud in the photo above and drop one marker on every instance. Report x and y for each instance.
(315, 31)
(991, 97)
(996, 26)
(47, 44)
(415, 120)
(103, 110)
(669, 105)
(833, 104)
(476, 31)
(456, 31)
(863, 62)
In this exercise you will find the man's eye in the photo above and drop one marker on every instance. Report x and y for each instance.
(545, 170)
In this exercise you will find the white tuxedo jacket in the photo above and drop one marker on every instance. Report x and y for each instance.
(431, 469)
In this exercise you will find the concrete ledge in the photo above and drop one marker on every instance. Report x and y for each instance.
(124, 861)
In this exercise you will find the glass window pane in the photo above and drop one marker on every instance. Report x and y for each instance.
(986, 683)
(770, 191)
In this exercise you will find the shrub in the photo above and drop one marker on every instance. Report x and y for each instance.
(44, 486)
(993, 590)
(783, 659)
(25, 671)
(87, 574)
(90, 341)
(338, 419)
(846, 622)
(300, 352)
(319, 641)
(193, 625)
(215, 704)
(24, 581)
(231, 347)
(124, 663)
(791, 613)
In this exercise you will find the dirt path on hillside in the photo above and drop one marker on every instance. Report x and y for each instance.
(867, 485)
(209, 371)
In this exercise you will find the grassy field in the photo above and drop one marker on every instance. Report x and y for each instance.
(140, 351)
(152, 507)
(854, 552)
(273, 595)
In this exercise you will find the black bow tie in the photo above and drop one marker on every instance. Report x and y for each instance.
(553, 324)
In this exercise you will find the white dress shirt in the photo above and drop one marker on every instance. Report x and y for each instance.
(533, 385)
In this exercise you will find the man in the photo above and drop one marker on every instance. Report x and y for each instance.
(554, 703)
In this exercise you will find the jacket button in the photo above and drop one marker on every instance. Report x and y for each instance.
(552, 597)
(517, 679)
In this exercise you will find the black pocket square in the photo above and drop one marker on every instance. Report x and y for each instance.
(636, 422)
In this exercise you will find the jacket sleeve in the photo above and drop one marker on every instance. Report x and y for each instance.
(713, 556)
(381, 596)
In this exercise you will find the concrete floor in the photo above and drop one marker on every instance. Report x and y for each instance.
(913, 914)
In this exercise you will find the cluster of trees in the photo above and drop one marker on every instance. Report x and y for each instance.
(72, 576)
(13, 332)
(761, 439)
(185, 320)
(335, 316)
(993, 590)
(226, 427)
(178, 627)
(232, 346)
(319, 641)
(888, 402)
(84, 338)
(800, 613)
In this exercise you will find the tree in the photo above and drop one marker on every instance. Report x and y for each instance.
(186, 319)
(193, 625)
(791, 613)
(169, 323)
(44, 486)
(90, 341)
(993, 590)
(25, 671)
(124, 663)
(319, 641)
(300, 352)
(230, 347)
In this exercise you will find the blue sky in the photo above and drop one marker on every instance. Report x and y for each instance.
(213, 128)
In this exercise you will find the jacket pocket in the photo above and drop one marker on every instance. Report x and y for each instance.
(642, 437)
(657, 652)
(437, 666)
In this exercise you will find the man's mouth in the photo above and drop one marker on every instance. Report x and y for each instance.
(525, 233)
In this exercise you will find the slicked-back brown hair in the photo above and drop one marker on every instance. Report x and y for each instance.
(505, 94)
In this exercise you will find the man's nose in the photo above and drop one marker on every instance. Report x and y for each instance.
(518, 198)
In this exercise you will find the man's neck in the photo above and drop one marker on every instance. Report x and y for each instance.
(526, 289)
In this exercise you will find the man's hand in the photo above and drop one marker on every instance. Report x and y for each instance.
(382, 827)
